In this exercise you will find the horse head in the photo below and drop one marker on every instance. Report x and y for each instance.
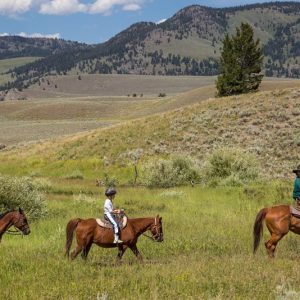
(20, 221)
(157, 229)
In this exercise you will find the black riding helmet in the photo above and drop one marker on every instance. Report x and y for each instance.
(110, 191)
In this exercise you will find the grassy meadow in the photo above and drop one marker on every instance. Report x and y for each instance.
(206, 254)
(207, 248)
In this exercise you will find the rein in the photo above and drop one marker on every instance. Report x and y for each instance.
(152, 238)
(149, 237)
(13, 232)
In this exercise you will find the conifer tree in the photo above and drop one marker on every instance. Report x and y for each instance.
(240, 63)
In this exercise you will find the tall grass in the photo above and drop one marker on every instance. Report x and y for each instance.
(206, 254)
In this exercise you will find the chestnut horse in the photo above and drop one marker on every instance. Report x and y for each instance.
(88, 232)
(15, 218)
(279, 222)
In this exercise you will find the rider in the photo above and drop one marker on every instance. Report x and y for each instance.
(296, 191)
(109, 211)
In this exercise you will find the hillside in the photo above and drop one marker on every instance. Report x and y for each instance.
(17, 46)
(265, 124)
(186, 44)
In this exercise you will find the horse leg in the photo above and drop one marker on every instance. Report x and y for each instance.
(136, 252)
(122, 249)
(272, 243)
(86, 250)
(80, 246)
(77, 250)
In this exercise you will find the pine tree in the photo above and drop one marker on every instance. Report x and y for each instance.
(240, 63)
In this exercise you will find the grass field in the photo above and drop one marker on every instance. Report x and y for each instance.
(264, 124)
(8, 64)
(206, 254)
(43, 118)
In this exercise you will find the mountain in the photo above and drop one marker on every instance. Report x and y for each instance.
(17, 46)
(189, 43)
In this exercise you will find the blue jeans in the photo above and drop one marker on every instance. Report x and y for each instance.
(112, 221)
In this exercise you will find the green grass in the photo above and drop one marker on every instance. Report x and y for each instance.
(11, 63)
(207, 252)
(261, 123)
(7, 64)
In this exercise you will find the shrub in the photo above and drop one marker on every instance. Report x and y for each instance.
(230, 167)
(162, 95)
(22, 192)
(175, 171)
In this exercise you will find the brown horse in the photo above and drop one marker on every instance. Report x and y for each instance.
(279, 222)
(15, 218)
(88, 232)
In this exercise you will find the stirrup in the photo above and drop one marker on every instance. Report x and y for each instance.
(118, 241)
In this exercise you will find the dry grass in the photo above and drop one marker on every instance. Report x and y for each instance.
(115, 85)
(264, 124)
(36, 119)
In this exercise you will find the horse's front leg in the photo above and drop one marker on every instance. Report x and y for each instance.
(136, 252)
(122, 249)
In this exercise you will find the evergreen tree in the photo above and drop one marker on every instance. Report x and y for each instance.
(240, 63)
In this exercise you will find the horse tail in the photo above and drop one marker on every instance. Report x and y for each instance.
(71, 226)
(258, 228)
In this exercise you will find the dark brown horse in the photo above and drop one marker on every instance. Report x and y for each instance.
(88, 232)
(15, 218)
(279, 222)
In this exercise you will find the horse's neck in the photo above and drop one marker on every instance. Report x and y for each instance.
(6, 222)
(140, 225)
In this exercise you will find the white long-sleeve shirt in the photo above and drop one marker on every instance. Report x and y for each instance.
(108, 206)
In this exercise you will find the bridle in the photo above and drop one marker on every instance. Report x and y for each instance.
(158, 234)
(17, 231)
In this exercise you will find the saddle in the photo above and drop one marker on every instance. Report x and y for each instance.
(121, 221)
(295, 211)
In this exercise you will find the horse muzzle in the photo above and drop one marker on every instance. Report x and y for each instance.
(26, 231)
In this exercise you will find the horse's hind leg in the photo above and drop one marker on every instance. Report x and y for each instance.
(86, 250)
(272, 243)
(77, 250)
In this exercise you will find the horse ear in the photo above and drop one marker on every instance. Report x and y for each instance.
(160, 218)
(20, 210)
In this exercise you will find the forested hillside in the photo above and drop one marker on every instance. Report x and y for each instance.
(188, 43)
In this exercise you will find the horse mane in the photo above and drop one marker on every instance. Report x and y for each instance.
(4, 214)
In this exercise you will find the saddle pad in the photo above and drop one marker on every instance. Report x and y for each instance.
(295, 212)
(106, 224)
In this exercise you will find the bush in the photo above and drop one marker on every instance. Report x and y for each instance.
(162, 95)
(22, 192)
(229, 167)
(175, 171)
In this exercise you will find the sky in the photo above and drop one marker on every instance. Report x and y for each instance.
(90, 21)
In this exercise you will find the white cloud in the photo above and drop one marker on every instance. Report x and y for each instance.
(161, 21)
(62, 7)
(131, 7)
(106, 6)
(15, 7)
(33, 35)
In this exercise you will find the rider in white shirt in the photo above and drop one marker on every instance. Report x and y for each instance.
(109, 211)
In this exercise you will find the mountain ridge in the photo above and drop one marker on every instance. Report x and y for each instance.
(188, 43)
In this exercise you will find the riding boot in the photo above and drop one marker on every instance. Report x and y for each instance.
(117, 240)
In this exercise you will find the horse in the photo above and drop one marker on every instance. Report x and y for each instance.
(88, 232)
(279, 221)
(15, 218)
